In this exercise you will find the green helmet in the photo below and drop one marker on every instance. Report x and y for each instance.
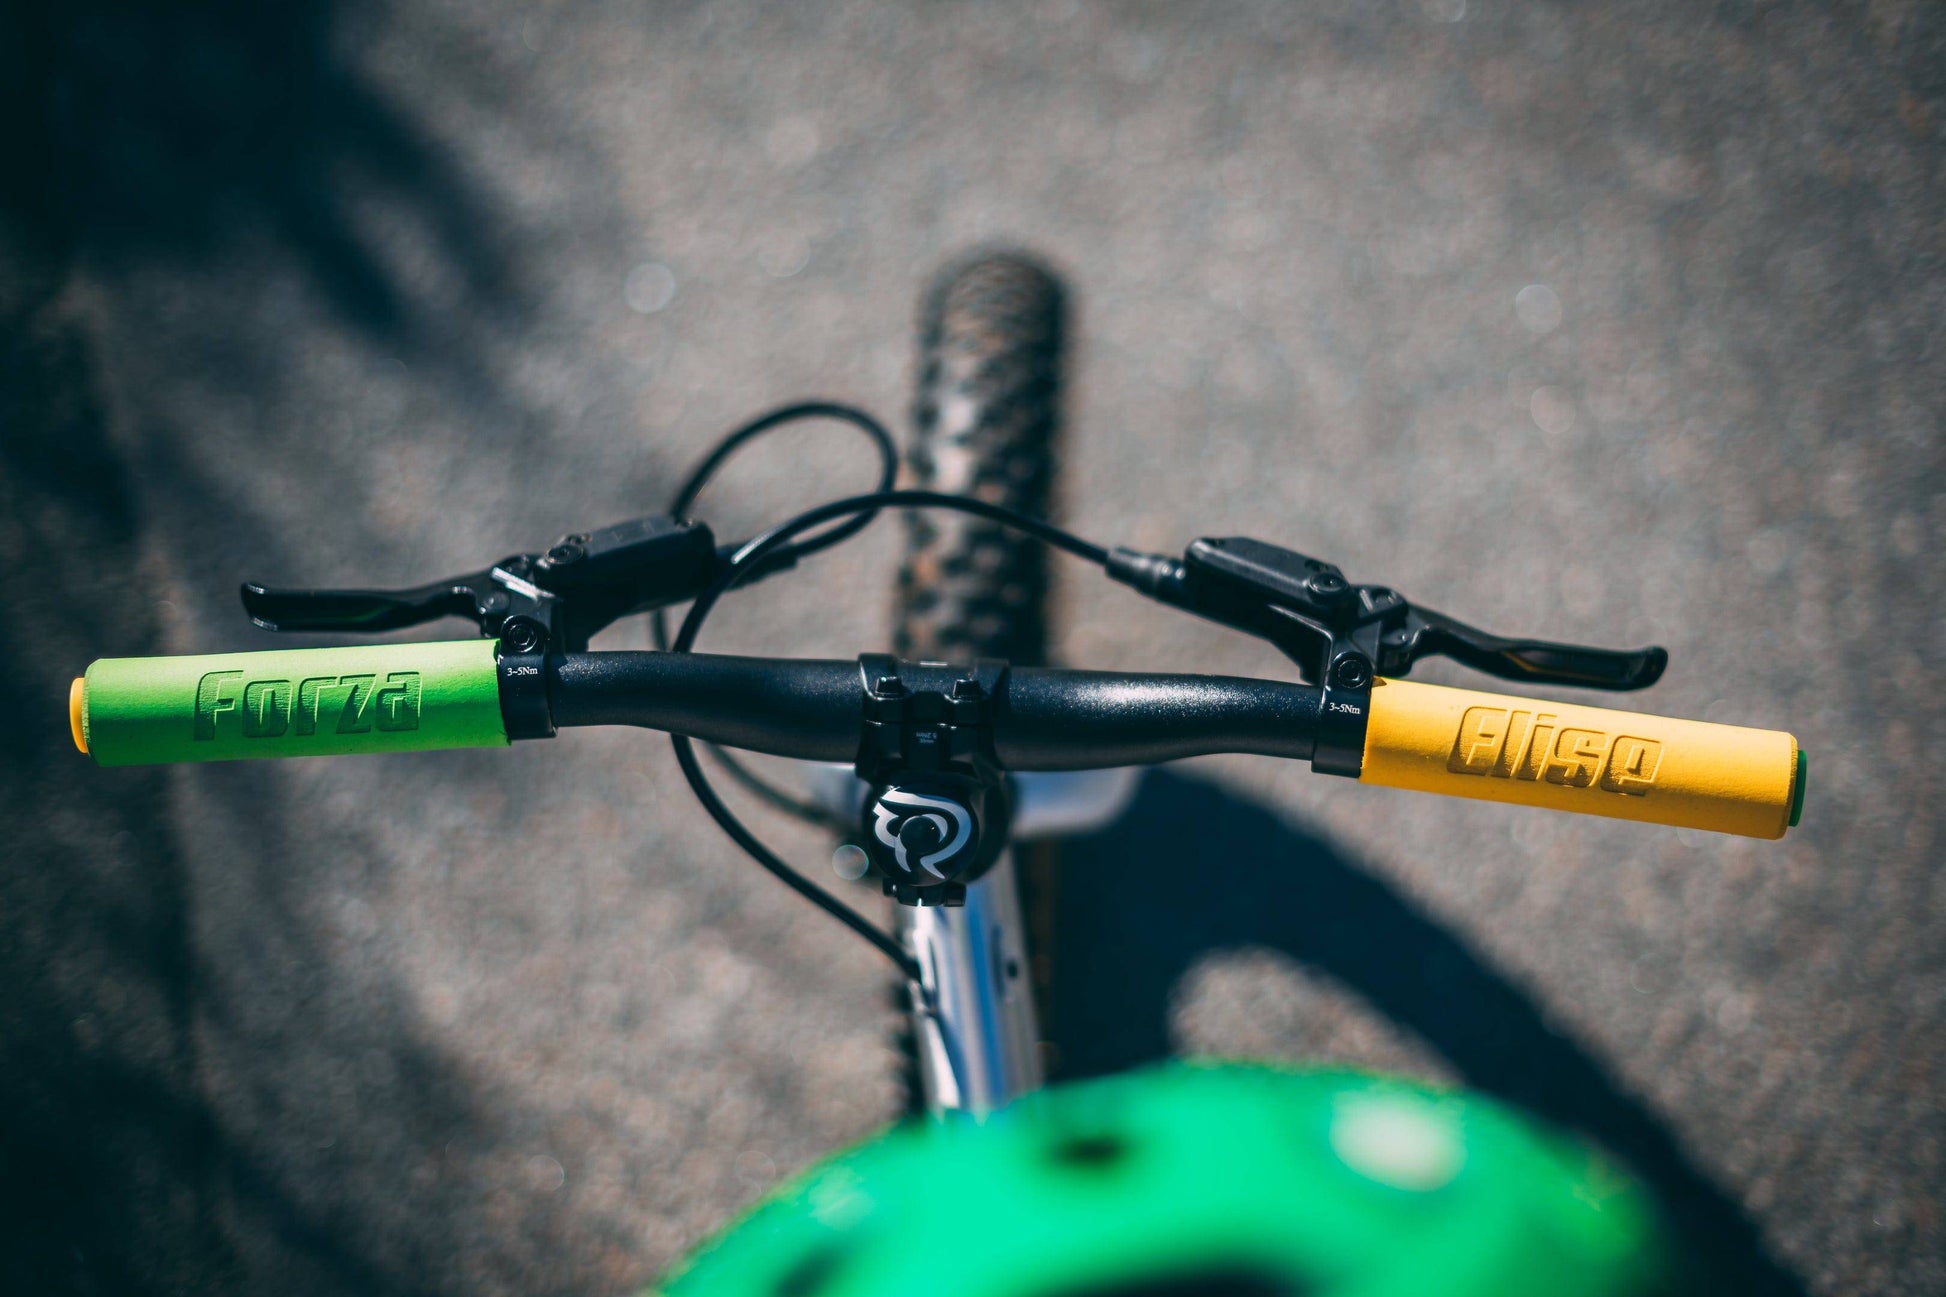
(1202, 1179)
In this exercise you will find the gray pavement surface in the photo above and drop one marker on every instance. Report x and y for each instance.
(1613, 323)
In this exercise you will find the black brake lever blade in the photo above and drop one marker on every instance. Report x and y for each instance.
(1540, 661)
(357, 610)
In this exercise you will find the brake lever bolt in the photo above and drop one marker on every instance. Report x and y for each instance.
(522, 635)
(1351, 672)
(1328, 586)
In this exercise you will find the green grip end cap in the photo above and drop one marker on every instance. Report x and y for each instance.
(1797, 787)
(289, 703)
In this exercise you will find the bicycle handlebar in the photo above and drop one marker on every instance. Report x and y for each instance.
(416, 697)
(1046, 719)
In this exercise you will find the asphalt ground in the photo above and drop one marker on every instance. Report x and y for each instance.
(1609, 323)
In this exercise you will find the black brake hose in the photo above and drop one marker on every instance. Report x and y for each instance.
(699, 477)
(692, 488)
(777, 798)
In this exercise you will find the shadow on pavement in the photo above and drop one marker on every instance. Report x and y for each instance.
(1193, 869)
(109, 1154)
(141, 130)
(123, 1176)
(144, 132)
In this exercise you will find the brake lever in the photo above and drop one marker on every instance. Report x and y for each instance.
(487, 598)
(1343, 635)
(358, 610)
(531, 602)
(1541, 661)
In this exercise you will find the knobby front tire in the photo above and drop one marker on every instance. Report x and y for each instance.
(986, 423)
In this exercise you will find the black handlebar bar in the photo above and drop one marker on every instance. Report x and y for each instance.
(1043, 719)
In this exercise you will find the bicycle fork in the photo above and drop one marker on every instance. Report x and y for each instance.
(973, 1018)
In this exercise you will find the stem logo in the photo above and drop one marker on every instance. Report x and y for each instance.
(899, 809)
(228, 706)
(1504, 744)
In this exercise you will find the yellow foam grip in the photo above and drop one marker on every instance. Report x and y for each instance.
(1566, 757)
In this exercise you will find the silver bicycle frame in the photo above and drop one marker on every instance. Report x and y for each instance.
(973, 1015)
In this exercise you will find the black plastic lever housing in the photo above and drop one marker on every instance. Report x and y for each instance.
(531, 602)
(1347, 633)
(1342, 635)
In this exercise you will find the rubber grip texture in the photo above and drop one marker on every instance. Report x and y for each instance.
(292, 703)
(1590, 760)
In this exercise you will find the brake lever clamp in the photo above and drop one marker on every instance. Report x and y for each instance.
(1341, 636)
(938, 809)
(532, 603)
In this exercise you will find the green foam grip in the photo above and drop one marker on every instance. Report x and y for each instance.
(291, 703)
